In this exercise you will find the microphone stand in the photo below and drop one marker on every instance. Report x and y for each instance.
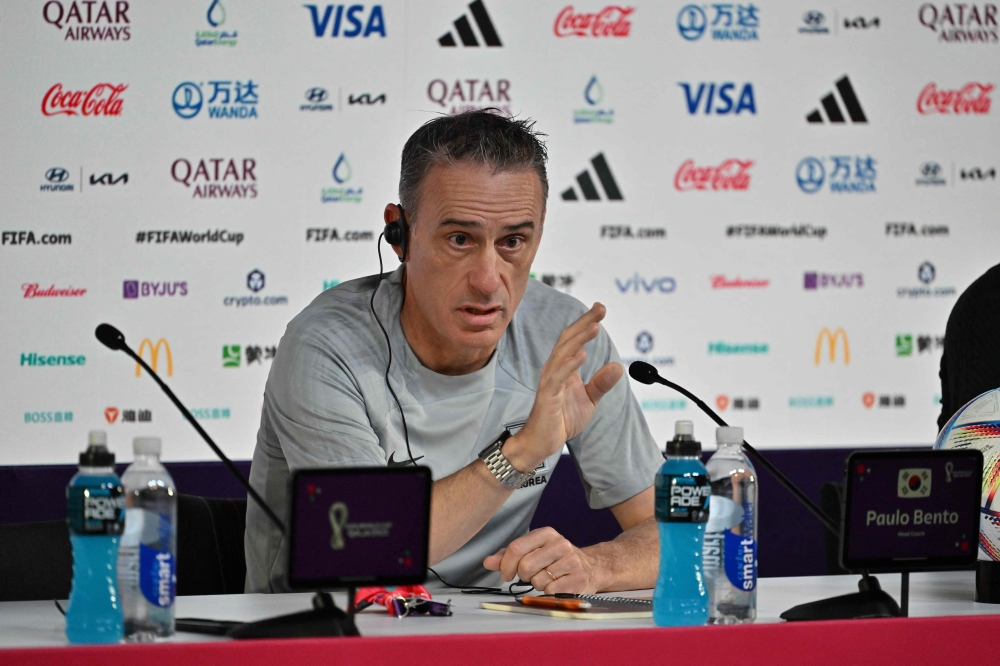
(869, 601)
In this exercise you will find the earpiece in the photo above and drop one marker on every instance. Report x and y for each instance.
(398, 233)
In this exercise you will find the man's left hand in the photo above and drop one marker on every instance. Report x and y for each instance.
(548, 561)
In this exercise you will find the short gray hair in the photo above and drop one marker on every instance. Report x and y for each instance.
(482, 137)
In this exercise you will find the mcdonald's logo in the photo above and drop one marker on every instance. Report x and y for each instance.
(831, 341)
(154, 356)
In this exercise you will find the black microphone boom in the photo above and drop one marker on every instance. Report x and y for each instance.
(646, 374)
(113, 339)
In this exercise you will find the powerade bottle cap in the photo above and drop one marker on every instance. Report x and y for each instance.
(683, 443)
(97, 455)
(146, 446)
(729, 435)
(98, 437)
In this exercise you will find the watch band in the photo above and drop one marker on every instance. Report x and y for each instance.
(500, 467)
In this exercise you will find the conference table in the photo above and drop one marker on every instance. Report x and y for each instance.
(944, 626)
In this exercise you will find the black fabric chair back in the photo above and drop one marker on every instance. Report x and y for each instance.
(832, 502)
(36, 561)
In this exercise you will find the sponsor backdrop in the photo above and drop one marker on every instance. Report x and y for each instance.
(779, 202)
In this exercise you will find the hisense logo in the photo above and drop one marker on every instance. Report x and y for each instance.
(738, 348)
(34, 360)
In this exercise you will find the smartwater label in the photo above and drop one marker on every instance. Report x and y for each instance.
(740, 555)
(157, 575)
(682, 499)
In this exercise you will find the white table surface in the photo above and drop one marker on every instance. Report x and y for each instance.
(38, 623)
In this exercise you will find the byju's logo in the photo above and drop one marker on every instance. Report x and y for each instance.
(831, 339)
(931, 173)
(132, 289)
(216, 18)
(833, 110)
(229, 99)
(587, 186)
(960, 23)
(814, 23)
(612, 21)
(731, 22)
(718, 99)
(732, 174)
(640, 285)
(847, 175)
(593, 94)
(814, 280)
(972, 98)
(97, 26)
(463, 27)
(57, 177)
(101, 100)
(474, 94)
(341, 173)
(351, 18)
(217, 177)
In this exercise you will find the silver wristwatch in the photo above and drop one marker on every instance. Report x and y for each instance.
(500, 467)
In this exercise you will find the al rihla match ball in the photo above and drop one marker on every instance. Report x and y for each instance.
(977, 426)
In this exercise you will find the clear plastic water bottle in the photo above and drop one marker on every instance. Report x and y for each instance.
(147, 560)
(95, 514)
(730, 551)
(682, 507)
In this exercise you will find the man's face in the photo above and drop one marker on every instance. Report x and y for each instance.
(472, 242)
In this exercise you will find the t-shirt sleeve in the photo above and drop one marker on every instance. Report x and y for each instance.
(615, 454)
(314, 407)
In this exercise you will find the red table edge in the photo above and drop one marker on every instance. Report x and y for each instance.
(909, 641)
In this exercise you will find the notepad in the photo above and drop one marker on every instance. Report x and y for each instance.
(602, 608)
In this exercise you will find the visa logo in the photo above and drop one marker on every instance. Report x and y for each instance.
(350, 19)
(639, 284)
(717, 98)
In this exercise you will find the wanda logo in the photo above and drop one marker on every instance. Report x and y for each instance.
(972, 98)
(612, 21)
(101, 100)
(730, 175)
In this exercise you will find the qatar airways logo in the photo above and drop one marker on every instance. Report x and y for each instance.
(101, 100)
(732, 174)
(612, 21)
(971, 98)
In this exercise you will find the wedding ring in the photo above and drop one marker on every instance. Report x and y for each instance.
(550, 574)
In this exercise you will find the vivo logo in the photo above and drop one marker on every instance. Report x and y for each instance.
(638, 284)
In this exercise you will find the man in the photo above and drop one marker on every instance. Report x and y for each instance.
(486, 365)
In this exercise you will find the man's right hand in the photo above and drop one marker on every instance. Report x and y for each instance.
(563, 403)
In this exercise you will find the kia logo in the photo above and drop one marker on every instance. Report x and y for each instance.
(56, 175)
(813, 18)
(316, 95)
(187, 100)
(691, 22)
(255, 280)
(810, 175)
(930, 169)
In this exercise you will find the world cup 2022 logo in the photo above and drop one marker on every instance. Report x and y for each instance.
(338, 518)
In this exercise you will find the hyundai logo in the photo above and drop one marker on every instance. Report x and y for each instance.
(316, 95)
(926, 272)
(255, 280)
(56, 175)
(813, 18)
(187, 100)
(930, 169)
(810, 175)
(691, 22)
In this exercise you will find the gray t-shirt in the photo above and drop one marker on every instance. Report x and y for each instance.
(326, 405)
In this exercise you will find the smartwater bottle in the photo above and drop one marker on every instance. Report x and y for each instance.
(95, 514)
(730, 552)
(147, 560)
(682, 507)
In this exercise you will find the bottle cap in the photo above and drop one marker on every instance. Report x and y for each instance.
(729, 435)
(146, 446)
(97, 455)
(98, 437)
(683, 443)
(684, 428)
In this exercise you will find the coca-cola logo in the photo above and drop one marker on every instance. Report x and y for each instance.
(101, 100)
(732, 174)
(971, 98)
(612, 21)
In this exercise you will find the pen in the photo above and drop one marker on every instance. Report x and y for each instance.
(557, 604)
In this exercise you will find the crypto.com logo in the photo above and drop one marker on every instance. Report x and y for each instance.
(831, 339)
(154, 355)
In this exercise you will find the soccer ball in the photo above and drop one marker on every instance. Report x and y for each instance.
(977, 426)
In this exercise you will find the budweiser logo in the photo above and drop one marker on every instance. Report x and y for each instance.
(973, 98)
(730, 175)
(612, 21)
(101, 100)
(36, 291)
(722, 282)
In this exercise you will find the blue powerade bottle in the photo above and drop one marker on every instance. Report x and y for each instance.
(95, 512)
(683, 497)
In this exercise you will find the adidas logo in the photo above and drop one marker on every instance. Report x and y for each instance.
(832, 109)
(588, 187)
(464, 28)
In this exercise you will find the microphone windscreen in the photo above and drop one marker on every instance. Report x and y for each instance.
(643, 372)
(110, 337)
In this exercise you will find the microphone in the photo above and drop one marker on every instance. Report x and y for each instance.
(644, 373)
(113, 339)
